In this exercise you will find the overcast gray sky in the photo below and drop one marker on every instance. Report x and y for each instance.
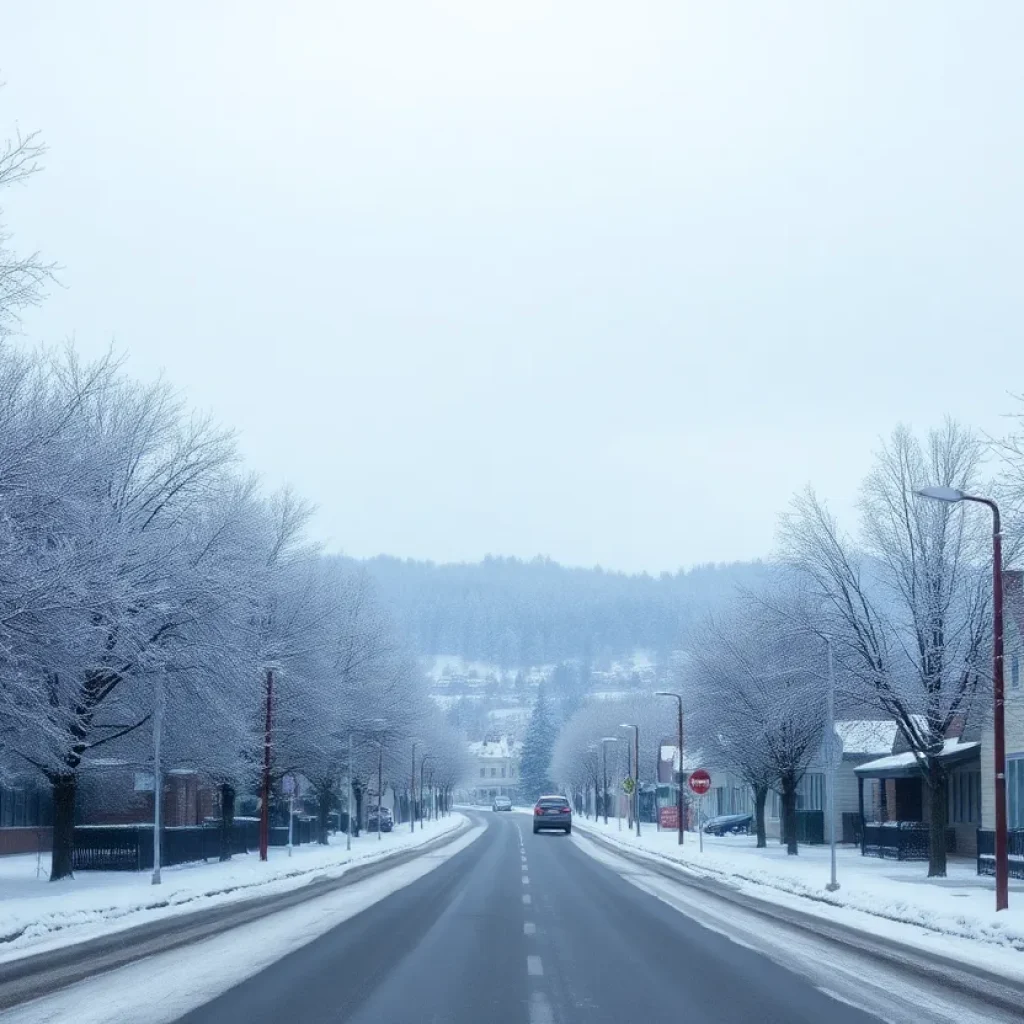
(604, 281)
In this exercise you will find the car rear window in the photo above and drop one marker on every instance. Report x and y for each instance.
(555, 801)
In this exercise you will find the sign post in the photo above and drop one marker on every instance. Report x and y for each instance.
(700, 783)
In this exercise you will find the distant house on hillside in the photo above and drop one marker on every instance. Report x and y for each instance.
(494, 769)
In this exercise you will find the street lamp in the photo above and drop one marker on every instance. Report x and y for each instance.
(412, 790)
(679, 747)
(381, 728)
(605, 740)
(952, 496)
(423, 761)
(636, 779)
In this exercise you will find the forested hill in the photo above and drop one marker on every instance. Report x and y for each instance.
(516, 613)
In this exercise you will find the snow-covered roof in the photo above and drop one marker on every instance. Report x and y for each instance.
(905, 764)
(495, 748)
(867, 737)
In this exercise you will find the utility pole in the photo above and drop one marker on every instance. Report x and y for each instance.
(1002, 863)
(679, 750)
(291, 810)
(158, 785)
(348, 822)
(423, 761)
(635, 801)
(412, 791)
(265, 789)
(833, 758)
(380, 776)
(605, 740)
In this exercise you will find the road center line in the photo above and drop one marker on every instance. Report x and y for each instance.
(526, 879)
(529, 928)
(527, 899)
(540, 1009)
(534, 966)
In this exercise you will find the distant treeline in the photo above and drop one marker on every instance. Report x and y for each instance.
(516, 613)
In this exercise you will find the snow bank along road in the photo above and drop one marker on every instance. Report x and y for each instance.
(505, 927)
(187, 922)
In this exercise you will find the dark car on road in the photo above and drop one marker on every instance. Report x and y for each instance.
(552, 812)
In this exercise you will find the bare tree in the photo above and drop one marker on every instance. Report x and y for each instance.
(907, 606)
(23, 278)
(756, 700)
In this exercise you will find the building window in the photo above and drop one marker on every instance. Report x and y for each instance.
(1015, 671)
(494, 772)
(774, 804)
(482, 773)
(503, 771)
(810, 793)
(965, 798)
(1015, 791)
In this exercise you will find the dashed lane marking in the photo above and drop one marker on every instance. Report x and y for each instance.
(534, 967)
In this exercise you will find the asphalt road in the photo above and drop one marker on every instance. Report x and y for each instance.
(525, 929)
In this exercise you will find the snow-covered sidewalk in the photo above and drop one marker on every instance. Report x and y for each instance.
(36, 914)
(880, 896)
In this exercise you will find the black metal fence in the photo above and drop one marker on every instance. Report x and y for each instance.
(987, 851)
(130, 847)
(901, 840)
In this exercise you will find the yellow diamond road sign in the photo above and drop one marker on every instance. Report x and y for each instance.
(628, 785)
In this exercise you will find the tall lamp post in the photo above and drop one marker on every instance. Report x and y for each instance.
(952, 496)
(605, 740)
(265, 784)
(412, 790)
(423, 761)
(636, 780)
(679, 750)
(592, 748)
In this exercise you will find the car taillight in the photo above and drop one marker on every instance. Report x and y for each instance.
(537, 810)
(564, 810)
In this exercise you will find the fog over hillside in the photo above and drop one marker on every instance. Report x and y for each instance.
(516, 614)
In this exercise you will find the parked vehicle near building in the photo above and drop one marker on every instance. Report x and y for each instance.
(729, 825)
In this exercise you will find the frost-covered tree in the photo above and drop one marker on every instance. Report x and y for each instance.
(755, 699)
(23, 277)
(906, 601)
(104, 527)
(538, 746)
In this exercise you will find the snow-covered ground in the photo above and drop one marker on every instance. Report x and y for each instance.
(36, 914)
(880, 896)
(163, 988)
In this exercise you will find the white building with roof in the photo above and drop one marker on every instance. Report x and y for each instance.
(494, 769)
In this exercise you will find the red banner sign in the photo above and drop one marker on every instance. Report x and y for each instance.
(668, 817)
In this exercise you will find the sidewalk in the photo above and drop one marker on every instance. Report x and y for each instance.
(36, 915)
(888, 898)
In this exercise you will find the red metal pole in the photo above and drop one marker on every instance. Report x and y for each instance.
(265, 807)
(998, 722)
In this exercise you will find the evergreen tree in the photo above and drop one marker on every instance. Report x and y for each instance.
(538, 745)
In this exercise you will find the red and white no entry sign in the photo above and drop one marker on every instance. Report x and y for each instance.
(700, 781)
